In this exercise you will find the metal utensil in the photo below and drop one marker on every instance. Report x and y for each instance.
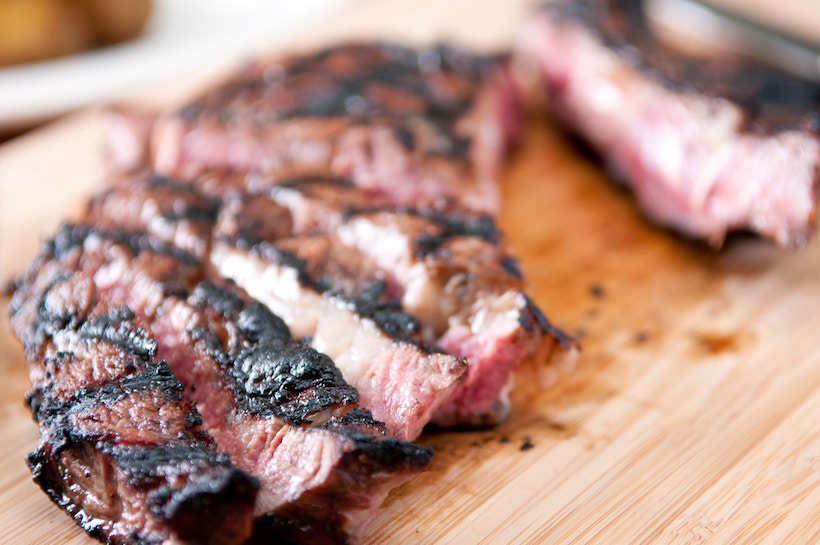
(703, 26)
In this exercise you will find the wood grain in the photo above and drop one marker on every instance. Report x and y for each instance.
(692, 416)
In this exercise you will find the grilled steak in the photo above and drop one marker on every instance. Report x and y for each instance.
(283, 412)
(351, 192)
(707, 146)
(120, 449)
(449, 272)
(375, 346)
(280, 410)
(423, 126)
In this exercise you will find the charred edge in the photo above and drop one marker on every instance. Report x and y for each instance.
(270, 253)
(145, 464)
(291, 382)
(387, 314)
(399, 68)
(202, 209)
(533, 317)
(255, 321)
(150, 378)
(454, 225)
(48, 322)
(209, 484)
(226, 302)
(767, 96)
(374, 448)
(71, 237)
(357, 418)
(198, 509)
(389, 453)
(298, 529)
(115, 328)
(299, 182)
(391, 320)
(510, 264)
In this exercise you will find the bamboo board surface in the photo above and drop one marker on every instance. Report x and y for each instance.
(693, 415)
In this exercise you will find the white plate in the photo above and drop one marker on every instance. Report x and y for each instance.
(182, 35)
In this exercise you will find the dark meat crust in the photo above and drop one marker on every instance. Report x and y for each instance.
(273, 405)
(361, 82)
(120, 449)
(273, 376)
(270, 403)
(425, 127)
(441, 280)
(772, 101)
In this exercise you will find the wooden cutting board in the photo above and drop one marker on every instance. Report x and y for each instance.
(693, 415)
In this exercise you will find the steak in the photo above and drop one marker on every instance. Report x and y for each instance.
(288, 279)
(708, 146)
(120, 449)
(279, 410)
(425, 127)
(448, 271)
(283, 412)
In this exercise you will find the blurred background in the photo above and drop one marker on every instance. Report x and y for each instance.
(59, 55)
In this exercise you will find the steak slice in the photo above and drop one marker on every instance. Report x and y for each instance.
(399, 380)
(120, 449)
(283, 412)
(449, 272)
(425, 127)
(280, 410)
(707, 146)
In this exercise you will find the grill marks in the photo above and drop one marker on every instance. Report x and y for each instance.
(423, 127)
(270, 403)
(176, 405)
(281, 411)
(443, 280)
(120, 449)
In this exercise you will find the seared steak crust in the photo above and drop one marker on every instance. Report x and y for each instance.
(770, 100)
(166, 393)
(425, 127)
(440, 280)
(708, 146)
(276, 408)
(120, 449)
(274, 405)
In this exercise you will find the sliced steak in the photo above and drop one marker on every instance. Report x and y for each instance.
(399, 380)
(283, 412)
(280, 410)
(449, 272)
(120, 449)
(707, 146)
(426, 126)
